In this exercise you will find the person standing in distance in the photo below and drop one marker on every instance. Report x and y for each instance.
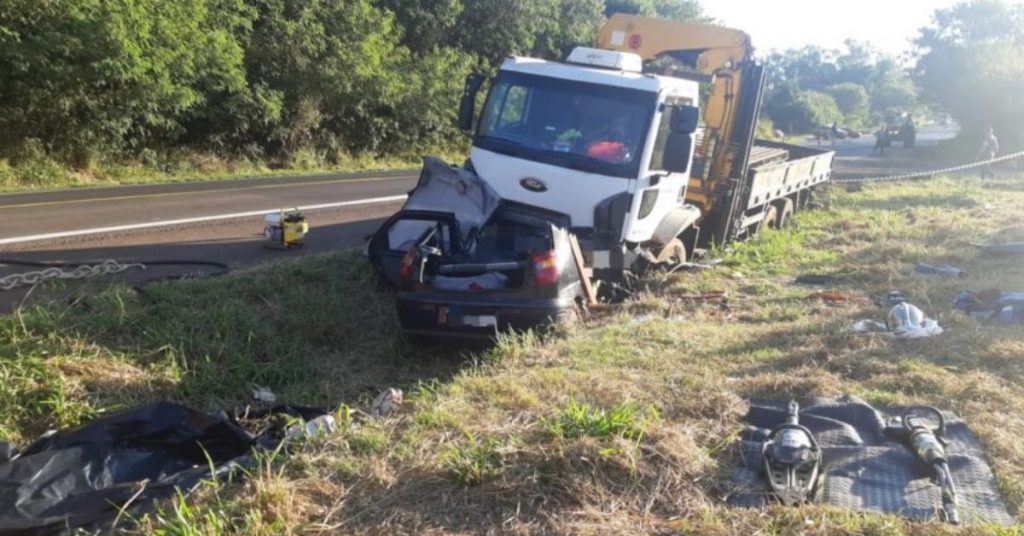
(989, 149)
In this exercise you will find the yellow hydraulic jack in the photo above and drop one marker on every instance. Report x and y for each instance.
(286, 229)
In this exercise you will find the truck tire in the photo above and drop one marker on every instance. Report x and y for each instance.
(673, 253)
(784, 208)
(770, 221)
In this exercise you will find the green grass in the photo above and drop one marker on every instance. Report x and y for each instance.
(41, 173)
(581, 420)
(474, 461)
(625, 423)
(315, 331)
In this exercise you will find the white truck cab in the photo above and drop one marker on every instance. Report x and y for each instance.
(594, 139)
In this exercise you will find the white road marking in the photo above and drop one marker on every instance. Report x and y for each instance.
(185, 221)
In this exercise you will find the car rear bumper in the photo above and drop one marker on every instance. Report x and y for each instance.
(475, 316)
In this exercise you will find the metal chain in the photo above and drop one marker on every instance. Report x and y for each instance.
(921, 174)
(107, 267)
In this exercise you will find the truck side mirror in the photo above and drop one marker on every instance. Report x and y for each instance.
(685, 119)
(678, 147)
(468, 103)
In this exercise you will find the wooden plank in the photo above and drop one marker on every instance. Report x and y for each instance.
(585, 273)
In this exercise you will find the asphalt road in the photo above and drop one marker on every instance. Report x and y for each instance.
(854, 158)
(159, 222)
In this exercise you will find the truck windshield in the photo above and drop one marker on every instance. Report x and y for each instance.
(589, 127)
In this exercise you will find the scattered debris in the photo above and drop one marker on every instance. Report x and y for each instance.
(696, 266)
(316, 427)
(832, 296)
(1007, 248)
(894, 297)
(868, 326)
(386, 403)
(816, 279)
(262, 395)
(1006, 308)
(944, 270)
(905, 321)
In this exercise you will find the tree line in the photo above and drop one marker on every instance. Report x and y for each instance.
(83, 81)
(856, 87)
(966, 63)
(274, 81)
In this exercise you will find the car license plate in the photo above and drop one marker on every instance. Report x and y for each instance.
(480, 321)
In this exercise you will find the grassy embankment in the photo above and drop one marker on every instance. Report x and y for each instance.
(625, 423)
(39, 172)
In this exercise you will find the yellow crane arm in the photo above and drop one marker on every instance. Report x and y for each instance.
(719, 54)
(716, 48)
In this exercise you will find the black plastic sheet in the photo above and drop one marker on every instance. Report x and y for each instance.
(82, 477)
(865, 470)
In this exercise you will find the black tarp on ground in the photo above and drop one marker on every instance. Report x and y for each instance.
(866, 471)
(81, 477)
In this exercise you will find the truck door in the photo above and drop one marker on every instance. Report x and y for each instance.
(663, 189)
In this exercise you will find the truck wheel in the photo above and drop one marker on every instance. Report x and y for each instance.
(771, 219)
(673, 253)
(785, 213)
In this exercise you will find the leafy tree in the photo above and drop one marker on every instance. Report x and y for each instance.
(853, 102)
(264, 78)
(426, 24)
(801, 111)
(90, 75)
(494, 29)
(970, 64)
(890, 87)
(577, 24)
(864, 81)
(682, 10)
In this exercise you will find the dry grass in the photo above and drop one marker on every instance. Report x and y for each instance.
(477, 452)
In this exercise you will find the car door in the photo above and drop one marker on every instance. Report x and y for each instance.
(404, 231)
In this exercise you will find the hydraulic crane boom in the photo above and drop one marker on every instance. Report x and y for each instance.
(722, 57)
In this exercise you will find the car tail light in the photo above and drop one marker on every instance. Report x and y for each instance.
(545, 268)
(407, 267)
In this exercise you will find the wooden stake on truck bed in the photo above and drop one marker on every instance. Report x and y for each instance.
(585, 273)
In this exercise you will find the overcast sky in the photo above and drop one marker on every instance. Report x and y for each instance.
(888, 24)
